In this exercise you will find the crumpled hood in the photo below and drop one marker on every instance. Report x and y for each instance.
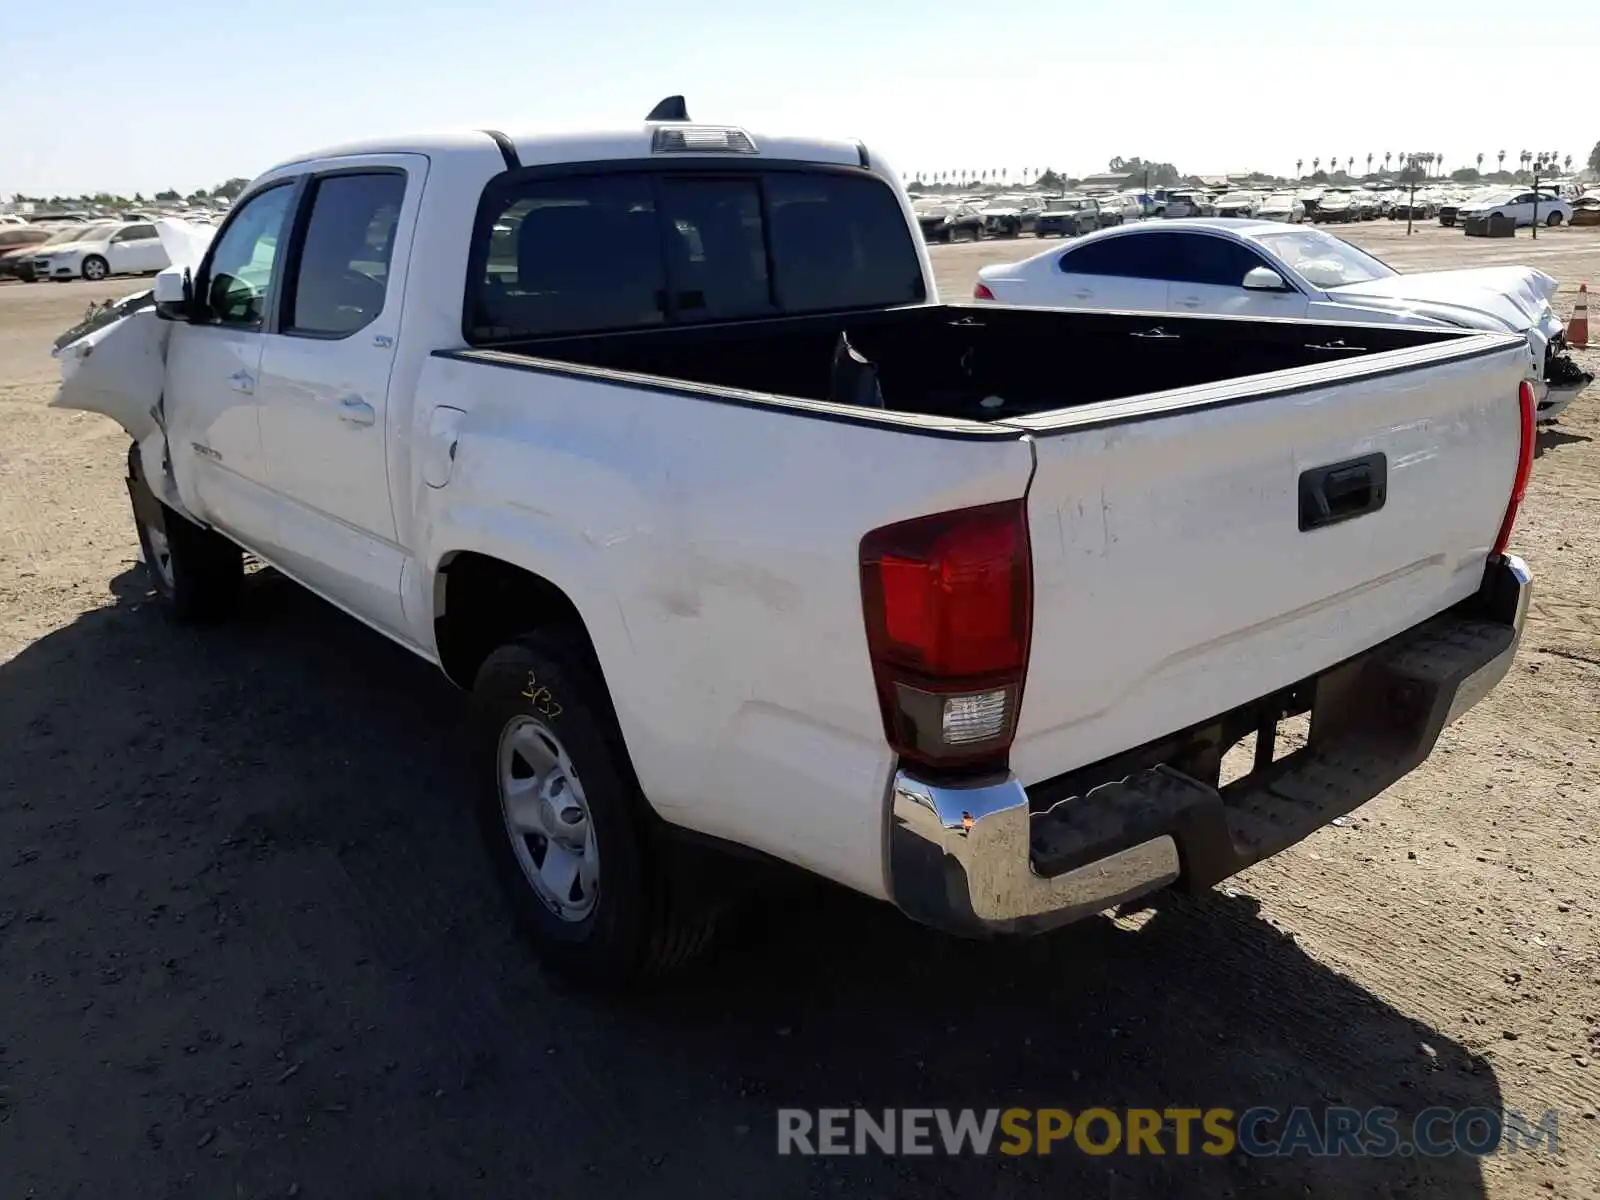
(1518, 297)
(184, 241)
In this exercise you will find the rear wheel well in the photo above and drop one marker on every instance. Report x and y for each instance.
(481, 603)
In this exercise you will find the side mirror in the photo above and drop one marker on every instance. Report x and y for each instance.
(1261, 279)
(173, 293)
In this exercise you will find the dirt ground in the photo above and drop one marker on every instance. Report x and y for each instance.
(248, 947)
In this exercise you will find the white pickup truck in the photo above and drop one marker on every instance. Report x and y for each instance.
(659, 442)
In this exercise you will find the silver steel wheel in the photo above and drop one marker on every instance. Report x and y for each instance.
(94, 269)
(547, 818)
(159, 557)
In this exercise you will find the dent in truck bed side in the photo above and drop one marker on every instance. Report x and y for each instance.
(712, 550)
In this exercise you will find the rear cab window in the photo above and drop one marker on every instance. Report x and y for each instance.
(633, 249)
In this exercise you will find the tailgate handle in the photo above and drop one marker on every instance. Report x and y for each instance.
(1343, 491)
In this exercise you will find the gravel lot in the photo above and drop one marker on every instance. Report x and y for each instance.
(248, 947)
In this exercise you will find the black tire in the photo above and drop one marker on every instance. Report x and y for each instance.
(199, 575)
(649, 915)
(1553, 219)
(977, 233)
(94, 268)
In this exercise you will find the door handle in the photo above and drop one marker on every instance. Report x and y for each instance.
(243, 381)
(1082, 295)
(1190, 302)
(356, 411)
(1342, 491)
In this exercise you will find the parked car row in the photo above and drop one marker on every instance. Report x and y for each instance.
(946, 219)
(1071, 215)
(32, 253)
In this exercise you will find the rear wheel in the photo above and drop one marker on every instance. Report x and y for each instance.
(197, 575)
(577, 850)
(1553, 219)
(95, 268)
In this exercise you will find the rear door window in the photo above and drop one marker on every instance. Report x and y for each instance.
(1131, 256)
(630, 250)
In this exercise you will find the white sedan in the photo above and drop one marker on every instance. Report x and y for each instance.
(1520, 206)
(101, 250)
(1266, 269)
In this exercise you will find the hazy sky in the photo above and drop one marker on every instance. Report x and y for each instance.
(138, 97)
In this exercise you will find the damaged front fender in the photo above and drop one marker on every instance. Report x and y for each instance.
(114, 362)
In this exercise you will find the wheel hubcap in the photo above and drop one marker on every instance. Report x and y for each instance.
(160, 556)
(94, 270)
(547, 819)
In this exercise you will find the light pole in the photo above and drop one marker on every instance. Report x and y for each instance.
(1539, 164)
(1411, 204)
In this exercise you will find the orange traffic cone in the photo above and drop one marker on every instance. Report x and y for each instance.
(1578, 327)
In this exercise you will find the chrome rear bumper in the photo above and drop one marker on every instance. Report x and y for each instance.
(977, 857)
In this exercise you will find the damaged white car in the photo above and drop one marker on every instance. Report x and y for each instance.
(1262, 269)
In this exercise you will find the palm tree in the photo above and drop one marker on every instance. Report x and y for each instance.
(1370, 157)
(1523, 157)
(1567, 163)
(1315, 163)
(1298, 163)
(1440, 157)
(1387, 155)
(1480, 162)
(1349, 164)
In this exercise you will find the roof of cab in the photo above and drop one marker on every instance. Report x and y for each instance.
(550, 147)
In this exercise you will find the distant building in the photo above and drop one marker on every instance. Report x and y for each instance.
(1112, 181)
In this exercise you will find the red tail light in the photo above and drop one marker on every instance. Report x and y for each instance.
(948, 601)
(1519, 485)
(982, 292)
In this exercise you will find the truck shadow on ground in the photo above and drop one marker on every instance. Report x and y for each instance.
(247, 942)
(1551, 438)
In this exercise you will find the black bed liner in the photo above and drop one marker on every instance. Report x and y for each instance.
(978, 362)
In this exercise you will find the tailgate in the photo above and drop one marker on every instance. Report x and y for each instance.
(1172, 578)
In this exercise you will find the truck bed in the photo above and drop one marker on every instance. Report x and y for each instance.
(980, 362)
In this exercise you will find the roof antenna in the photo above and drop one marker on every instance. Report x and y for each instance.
(670, 109)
